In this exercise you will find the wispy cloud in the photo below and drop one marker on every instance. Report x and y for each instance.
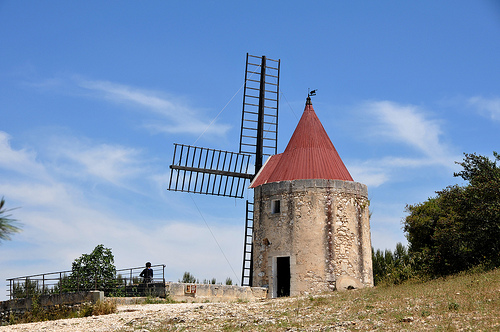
(489, 107)
(181, 117)
(59, 157)
(62, 218)
(406, 125)
(111, 163)
(22, 161)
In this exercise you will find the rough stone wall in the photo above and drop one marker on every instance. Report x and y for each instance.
(214, 293)
(18, 307)
(323, 226)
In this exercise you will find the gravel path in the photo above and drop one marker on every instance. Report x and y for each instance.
(207, 317)
(128, 318)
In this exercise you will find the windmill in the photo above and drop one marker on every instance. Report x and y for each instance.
(208, 171)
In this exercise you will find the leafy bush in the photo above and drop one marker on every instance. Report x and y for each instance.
(392, 268)
(92, 271)
(460, 227)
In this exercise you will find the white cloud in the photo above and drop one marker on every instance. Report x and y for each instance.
(406, 125)
(368, 174)
(487, 107)
(112, 163)
(22, 161)
(181, 117)
(61, 218)
(409, 125)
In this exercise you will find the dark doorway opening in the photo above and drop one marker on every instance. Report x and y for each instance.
(283, 276)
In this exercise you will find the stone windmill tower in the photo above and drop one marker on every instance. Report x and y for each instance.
(311, 230)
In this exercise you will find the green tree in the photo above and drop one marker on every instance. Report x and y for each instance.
(460, 227)
(7, 224)
(93, 271)
(479, 209)
(392, 268)
(188, 278)
(433, 232)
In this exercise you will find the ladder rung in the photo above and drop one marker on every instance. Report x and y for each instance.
(272, 75)
(270, 123)
(251, 104)
(251, 112)
(271, 91)
(271, 83)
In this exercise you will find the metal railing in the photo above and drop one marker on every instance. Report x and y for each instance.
(126, 282)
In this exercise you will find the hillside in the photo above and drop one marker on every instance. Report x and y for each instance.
(464, 302)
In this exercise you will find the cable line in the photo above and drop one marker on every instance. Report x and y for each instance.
(215, 239)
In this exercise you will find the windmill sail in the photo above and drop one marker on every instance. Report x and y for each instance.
(259, 120)
(208, 171)
(223, 173)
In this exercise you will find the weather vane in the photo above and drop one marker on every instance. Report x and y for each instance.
(311, 93)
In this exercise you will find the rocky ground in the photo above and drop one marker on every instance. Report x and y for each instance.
(469, 302)
(263, 315)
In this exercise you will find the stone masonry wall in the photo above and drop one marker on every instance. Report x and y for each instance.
(17, 307)
(323, 226)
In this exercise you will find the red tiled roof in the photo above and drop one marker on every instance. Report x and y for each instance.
(310, 154)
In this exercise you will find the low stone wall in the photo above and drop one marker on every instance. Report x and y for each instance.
(213, 293)
(18, 307)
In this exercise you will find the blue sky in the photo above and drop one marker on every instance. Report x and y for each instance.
(94, 94)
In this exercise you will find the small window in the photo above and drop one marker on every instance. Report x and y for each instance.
(276, 206)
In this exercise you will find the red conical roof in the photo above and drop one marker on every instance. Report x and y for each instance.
(310, 154)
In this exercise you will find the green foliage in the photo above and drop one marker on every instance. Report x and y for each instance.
(229, 281)
(92, 271)
(28, 288)
(39, 313)
(392, 268)
(188, 278)
(7, 224)
(212, 281)
(460, 227)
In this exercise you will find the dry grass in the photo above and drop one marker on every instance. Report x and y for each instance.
(103, 308)
(62, 312)
(466, 302)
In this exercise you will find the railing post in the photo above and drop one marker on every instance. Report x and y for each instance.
(60, 283)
